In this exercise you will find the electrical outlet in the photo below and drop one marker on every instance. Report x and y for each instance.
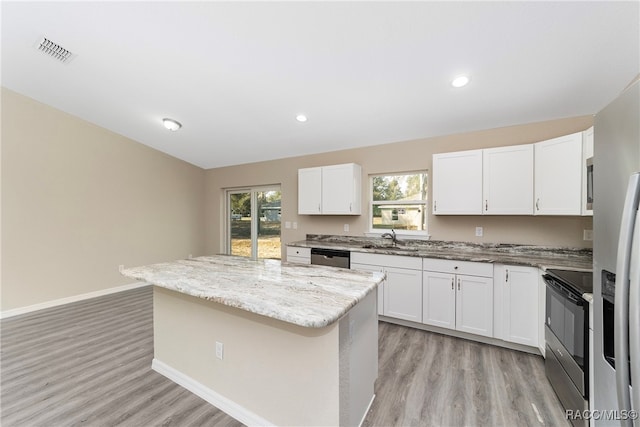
(479, 231)
(219, 350)
(587, 235)
(295, 225)
(287, 224)
(346, 227)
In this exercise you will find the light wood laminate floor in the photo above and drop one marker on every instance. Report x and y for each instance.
(89, 364)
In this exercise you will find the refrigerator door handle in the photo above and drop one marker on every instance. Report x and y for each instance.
(634, 314)
(621, 313)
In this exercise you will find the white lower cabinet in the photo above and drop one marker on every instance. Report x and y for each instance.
(517, 310)
(401, 294)
(438, 299)
(454, 300)
(375, 269)
(298, 255)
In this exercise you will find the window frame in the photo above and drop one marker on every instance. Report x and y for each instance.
(424, 234)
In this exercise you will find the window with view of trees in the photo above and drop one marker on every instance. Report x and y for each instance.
(399, 202)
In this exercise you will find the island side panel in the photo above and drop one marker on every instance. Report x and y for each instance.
(285, 374)
(358, 360)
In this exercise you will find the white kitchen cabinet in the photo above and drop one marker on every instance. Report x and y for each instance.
(403, 294)
(457, 183)
(587, 153)
(458, 295)
(517, 307)
(439, 299)
(298, 255)
(507, 184)
(558, 175)
(402, 289)
(310, 191)
(474, 305)
(375, 269)
(330, 190)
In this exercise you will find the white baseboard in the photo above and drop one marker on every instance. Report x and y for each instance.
(228, 406)
(48, 304)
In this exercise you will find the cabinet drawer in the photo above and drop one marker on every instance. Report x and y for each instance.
(398, 261)
(458, 267)
(293, 251)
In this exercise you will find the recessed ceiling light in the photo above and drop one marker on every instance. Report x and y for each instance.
(301, 118)
(460, 81)
(172, 125)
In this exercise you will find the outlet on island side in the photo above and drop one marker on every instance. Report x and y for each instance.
(479, 231)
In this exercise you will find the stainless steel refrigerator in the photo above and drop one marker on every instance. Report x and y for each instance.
(616, 251)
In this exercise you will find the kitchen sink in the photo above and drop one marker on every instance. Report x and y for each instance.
(392, 248)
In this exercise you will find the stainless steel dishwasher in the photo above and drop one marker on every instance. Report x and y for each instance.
(330, 257)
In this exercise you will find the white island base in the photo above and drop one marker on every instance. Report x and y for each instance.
(272, 372)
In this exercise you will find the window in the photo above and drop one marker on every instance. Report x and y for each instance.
(400, 202)
(253, 222)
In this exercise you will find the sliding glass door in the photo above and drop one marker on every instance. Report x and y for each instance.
(253, 222)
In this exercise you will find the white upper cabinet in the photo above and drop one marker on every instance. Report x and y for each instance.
(310, 191)
(587, 153)
(507, 184)
(457, 183)
(558, 176)
(330, 190)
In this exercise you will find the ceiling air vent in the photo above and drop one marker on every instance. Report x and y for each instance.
(54, 50)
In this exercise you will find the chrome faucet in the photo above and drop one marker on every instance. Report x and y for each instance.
(391, 236)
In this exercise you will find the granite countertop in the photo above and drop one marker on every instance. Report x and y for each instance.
(512, 254)
(312, 297)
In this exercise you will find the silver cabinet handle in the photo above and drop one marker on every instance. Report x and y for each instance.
(452, 283)
(350, 209)
(435, 205)
(458, 284)
(318, 207)
(538, 204)
(486, 205)
(507, 276)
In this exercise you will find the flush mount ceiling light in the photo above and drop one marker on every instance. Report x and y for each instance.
(460, 81)
(172, 125)
(301, 118)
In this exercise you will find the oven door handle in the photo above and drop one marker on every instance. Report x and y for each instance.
(564, 292)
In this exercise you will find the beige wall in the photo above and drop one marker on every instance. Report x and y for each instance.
(78, 201)
(396, 157)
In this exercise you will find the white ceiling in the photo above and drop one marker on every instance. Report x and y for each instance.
(237, 73)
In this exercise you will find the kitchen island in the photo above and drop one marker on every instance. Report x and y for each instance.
(267, 342)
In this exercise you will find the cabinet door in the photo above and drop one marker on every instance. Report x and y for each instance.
(377, 269)
(474, 305)
(587, 153)
(508, 180)
(341, 189)
(403, 294)
(520, 304)
(438, 299)
(558, 175)
(457, 183)
(309, 191)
